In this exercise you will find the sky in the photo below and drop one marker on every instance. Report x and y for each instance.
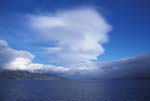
(68, 32)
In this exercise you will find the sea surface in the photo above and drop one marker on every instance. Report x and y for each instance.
(65, 90)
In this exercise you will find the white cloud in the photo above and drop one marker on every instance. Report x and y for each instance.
(22, 60)
(8, 54)
(79, 34)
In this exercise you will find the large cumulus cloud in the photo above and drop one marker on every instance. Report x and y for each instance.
(78, 34)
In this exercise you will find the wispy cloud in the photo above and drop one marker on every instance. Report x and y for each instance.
(79, 33)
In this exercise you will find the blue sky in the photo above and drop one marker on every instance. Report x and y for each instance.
(128, 18)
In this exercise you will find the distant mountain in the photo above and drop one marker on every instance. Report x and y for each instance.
(9, 74)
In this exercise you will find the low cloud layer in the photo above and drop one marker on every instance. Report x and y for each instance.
(78, 34)
(8, 56)
(127, 68)
(22, 60)
(12, 59)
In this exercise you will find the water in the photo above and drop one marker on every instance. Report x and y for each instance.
(113, 90)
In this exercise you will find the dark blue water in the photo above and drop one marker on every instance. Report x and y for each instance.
(114, 90)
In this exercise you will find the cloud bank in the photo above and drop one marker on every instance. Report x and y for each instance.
(78, 34)
(12, 59)
(22, 60)
(9, 55)
(137, 67)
